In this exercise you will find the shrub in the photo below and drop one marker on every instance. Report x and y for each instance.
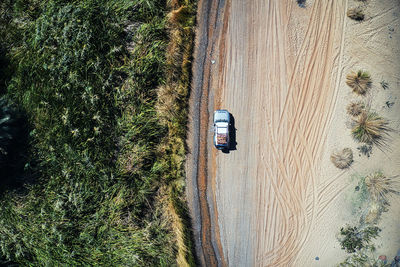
(359, 82)
(370, 128)
(356, 13)
(353, 238)
(355, 108)
(342, 159)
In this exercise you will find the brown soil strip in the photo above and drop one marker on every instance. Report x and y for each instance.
(208, 247)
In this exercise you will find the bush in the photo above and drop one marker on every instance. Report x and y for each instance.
(359, 82)
(356, 13)
(354, 238)
(342, 159)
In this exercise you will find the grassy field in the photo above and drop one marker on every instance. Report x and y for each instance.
(95, 105)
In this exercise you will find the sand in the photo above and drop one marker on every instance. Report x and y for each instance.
(373, 46)
(280, 69)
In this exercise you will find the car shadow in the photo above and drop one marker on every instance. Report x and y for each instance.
(232, 136)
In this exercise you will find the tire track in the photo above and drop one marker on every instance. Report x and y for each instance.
(265, 197)
(301, 138)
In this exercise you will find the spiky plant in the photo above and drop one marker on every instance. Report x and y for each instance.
(356, 13)
(342, 159)
(359, 81)
(380, 186)
(355, 108)
(370, 128)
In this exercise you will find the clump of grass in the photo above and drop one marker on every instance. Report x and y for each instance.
(380, 186)
(356, 13)
(370, 128)
(355, 238)
(167, 105)
(359, 81)
(179, 15)
(342, 159)
(355, 108)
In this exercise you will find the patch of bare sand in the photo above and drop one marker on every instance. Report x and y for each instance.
(372, 45)
(279, 80)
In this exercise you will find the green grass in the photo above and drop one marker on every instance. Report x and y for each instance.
(353, 238)
(100, 152)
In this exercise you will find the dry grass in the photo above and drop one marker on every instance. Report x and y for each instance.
(176, 224)
(172, 110)
(167, 103)
(380, 186)
(374, 212)
(342, 159)
(370, 128)
(356, 13)
(178, 15)
(359, 81)
(355, 108)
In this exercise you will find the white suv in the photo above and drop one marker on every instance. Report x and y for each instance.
(221, 129)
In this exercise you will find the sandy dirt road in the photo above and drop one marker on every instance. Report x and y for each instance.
(279, 80)
(275, 66)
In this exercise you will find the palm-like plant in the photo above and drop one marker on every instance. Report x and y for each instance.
(380, 186)
(359, 81)
(370, 128)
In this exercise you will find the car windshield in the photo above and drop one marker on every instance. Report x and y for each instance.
(221, 117)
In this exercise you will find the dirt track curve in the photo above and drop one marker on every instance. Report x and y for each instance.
(275, 66)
